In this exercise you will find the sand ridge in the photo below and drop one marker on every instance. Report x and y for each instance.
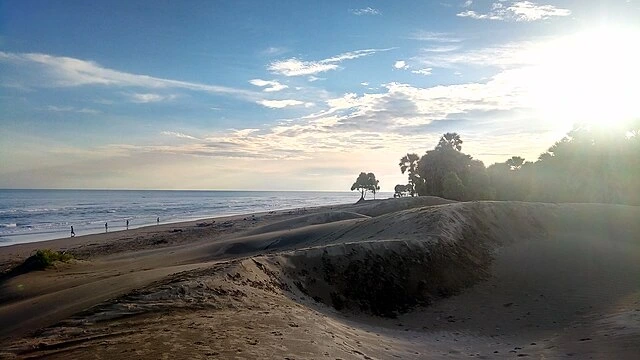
(423, 278)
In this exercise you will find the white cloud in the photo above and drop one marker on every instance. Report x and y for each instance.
(72, 109)
(467, 3)
(434, 37)
(397, 118)
(365, 11)
(425, 71)
(297, 67)
(179, 135)
(441, 49)
(528, 11)
(400, 64)
(474, 15)
(312, 78)
(70, 72)
(269, 86)
(143, 98)
(517, 11)
(279, 104)
(364, 83)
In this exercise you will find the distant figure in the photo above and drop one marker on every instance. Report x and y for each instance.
(158, 221)
(106, 227)
(73, 234)
(127, 224)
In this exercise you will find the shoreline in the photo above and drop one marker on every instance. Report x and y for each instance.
(40, 237)
(9, 252)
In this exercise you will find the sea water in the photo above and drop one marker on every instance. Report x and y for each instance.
(36, 215)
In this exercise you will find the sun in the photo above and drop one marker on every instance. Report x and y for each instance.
(590, 77)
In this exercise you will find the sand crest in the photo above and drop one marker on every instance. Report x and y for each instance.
(399, 278)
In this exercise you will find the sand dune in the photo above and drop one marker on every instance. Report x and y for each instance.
(399, 278)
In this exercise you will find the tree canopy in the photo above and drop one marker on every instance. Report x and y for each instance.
(366, 182)
(588, 165)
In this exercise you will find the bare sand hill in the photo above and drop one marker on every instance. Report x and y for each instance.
(398, 278)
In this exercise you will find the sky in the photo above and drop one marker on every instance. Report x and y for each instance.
(297, 95)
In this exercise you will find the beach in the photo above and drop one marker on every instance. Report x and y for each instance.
(407, 278)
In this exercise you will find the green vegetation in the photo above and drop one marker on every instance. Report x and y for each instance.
(409, 163)
(366, 182)
(45, 258)
(588, 165)
(452, 187)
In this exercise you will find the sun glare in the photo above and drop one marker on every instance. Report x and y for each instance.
(590, 77)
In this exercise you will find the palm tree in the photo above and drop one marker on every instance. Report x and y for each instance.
(450, 141)
(409, 163)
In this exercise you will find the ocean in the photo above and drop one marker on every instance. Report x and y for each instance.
(37, 215)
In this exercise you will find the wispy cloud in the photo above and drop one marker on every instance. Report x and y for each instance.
(279, 104)
(269, 86)
(273, 51)
(402, 113)
(297, 67)
(441, 49)
(425, 71)
(524, 11)
(179, 135)
(501, 56)
(434, 37)
(143, 98)
(72, 109)
(365, 11)
(467, 3)
(62, 71)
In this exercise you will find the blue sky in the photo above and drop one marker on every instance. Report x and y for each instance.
(297, 95)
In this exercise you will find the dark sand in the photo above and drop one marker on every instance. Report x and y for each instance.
(409, 278)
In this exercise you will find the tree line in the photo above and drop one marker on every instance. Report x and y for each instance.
(587, 165)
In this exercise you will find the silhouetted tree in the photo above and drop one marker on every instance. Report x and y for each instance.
(409, 164)
(588, 165)
(435, 164)
(366, 182)
(515, 163)
(401, 190)
(451, 141)
(453, 188)
(375, 187)
(477, 183)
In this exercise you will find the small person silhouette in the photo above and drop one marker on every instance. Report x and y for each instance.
(158, 221)
(127, 224)
(73, 234)
(106, 227)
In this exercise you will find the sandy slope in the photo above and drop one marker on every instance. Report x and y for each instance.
(399, 278)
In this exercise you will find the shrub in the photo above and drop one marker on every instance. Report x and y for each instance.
(45, 258)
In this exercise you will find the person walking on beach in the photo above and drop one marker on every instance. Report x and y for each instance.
(127, 224)
(158, 221)
(73, 234)
(106, 227)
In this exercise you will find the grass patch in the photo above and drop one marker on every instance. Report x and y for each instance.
(45, 258)
(39, 260)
